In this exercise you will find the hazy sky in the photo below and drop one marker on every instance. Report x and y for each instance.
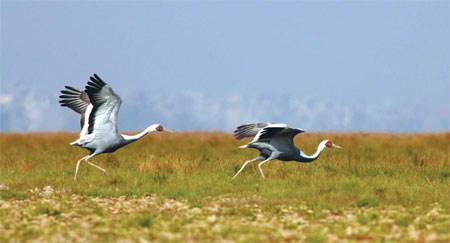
(321, 66)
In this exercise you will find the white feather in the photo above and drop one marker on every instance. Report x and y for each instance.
(84, 130)
(262, 131)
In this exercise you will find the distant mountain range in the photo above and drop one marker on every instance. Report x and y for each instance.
(26, 109)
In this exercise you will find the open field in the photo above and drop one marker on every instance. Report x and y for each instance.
(178, 187)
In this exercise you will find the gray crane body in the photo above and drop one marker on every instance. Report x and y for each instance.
(106, 143)
(280, 150)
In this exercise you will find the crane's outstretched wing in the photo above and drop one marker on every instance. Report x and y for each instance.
(290, 132)
(279, 132)
(249, 130)
(263, 131)
(270, 131)
(76, 100)
(106, 104)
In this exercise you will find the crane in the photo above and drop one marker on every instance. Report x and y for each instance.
(276, 141)
(99, 106)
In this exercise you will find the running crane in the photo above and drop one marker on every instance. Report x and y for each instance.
(99, 106)
(276, 141)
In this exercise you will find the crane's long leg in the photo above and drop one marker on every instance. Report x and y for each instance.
(96, 166)
(78, 165)
(272, 157)
(245, 164)
(85, 158)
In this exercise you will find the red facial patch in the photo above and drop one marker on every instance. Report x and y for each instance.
(329, 144)
(159, 128)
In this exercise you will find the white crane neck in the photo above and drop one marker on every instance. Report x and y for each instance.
(132, 138)
(310, 158)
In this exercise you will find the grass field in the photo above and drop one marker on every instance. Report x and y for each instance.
(179, 187)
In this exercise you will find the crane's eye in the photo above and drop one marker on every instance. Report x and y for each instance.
(329, 144)
(159, 128)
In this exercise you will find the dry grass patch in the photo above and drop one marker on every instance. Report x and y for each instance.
(381, 187)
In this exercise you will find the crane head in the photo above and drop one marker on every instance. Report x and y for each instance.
(160, 128)
(329, 144)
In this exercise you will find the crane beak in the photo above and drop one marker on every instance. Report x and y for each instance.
(167, 130)
(336, 146)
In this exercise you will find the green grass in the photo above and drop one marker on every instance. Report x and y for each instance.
(374, 173)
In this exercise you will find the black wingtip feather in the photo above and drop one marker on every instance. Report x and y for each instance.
(69, 96)
(75, 99)
(96, 79)
(94, 84)
(73, 89)
(69, 92)
(248, 130)
(99, 79)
